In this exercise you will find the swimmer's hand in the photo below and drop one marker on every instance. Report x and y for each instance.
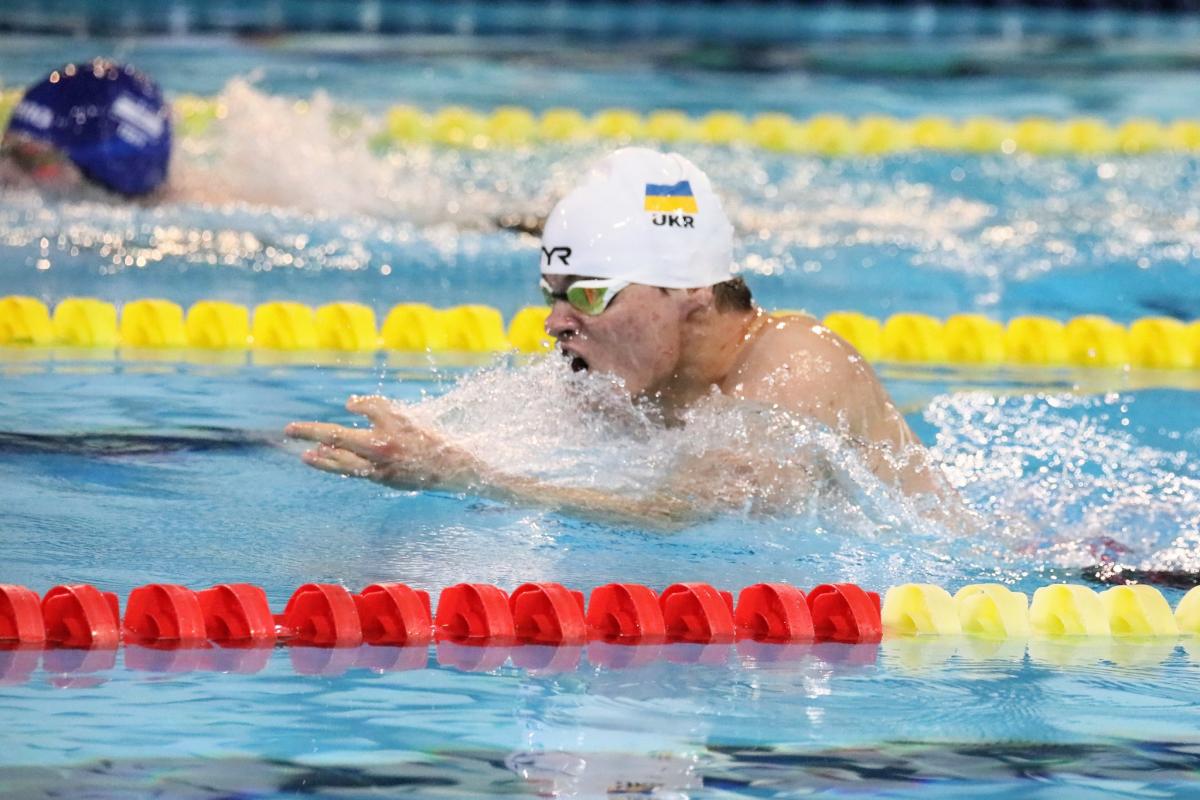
(398, 452)
(395, 450)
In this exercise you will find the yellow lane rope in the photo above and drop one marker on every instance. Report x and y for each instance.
(995, 611)
(1090, 340)
(829, 135)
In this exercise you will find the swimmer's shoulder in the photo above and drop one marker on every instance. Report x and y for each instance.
(785, 337)
(795, 360)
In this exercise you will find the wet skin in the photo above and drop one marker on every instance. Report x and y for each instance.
(638, 338)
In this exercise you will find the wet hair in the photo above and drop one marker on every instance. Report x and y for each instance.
(732, 295)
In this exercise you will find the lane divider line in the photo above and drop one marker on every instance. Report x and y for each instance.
(329, 615)
(348, 327)
(77, 630)
(824, 135)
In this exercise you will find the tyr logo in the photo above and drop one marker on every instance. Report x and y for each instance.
(673, 221)
(562, 253)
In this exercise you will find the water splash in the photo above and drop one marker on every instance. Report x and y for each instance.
(317, 157)
(1048, 480)
(723, 457)
(1070, 480)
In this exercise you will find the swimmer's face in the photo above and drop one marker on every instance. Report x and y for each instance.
(27, 160)
(638, 338)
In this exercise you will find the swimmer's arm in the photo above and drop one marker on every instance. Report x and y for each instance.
(660, 510)
(698, 488)
(397, 452)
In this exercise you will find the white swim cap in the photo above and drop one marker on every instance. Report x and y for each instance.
(644, 217)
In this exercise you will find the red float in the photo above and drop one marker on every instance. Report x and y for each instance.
(773, 612)
(394, 614)
(322, 615)
(81, 616)
(625, 612)
(476, 612)
(237, 613)
(548, 613)
(21, 615)
(696, 612)
(162, 613)
(844, 612)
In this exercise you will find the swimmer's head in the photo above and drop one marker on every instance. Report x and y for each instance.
(106, 120)
(636, 265)
(644, 217)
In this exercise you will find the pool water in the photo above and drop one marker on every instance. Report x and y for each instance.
(125, 470)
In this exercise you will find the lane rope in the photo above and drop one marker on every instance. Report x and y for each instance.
(349, 327)
(395, 614)
(827, 135)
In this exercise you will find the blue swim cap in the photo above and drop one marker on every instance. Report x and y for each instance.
(107, 118)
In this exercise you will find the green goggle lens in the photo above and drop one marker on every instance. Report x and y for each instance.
(589, 297)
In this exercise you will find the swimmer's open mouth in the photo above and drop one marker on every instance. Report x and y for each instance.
(578, 363)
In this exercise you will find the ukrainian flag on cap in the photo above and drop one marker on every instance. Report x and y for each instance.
(670, 197)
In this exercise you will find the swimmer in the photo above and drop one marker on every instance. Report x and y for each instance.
(97, 123)
(636, 265)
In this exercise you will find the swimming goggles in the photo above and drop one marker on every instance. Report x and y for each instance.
(590, 296)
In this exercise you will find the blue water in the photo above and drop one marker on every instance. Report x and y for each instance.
(123, 471)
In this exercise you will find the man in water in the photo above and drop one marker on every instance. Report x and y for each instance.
(636, 265)
(98, 122)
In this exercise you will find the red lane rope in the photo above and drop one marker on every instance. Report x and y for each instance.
(326, 615)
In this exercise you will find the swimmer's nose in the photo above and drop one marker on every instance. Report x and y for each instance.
(563, 321)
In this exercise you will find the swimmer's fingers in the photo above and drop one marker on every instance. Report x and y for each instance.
(385, 415)
(359, 441)
(323, 432)
(341, 462)
(379, 410)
